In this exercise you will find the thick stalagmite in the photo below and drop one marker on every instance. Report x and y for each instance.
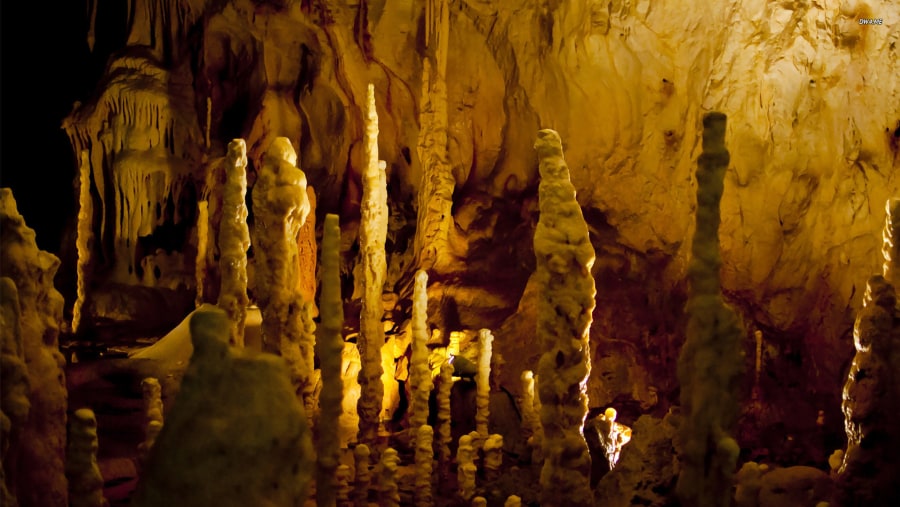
(564, 258)
(329, 345)
(419, 372)
(234, 240)
(85, 481)
(14, 404)
(363, 475)
(372, 236)
(280, 208)
(709, 367)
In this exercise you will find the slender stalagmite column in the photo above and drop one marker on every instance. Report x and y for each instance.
(234, 240)
(388, 492)
(419, 373)
(444, 436)
(372, 236)
(891, 243)
(465, 468)
(479, 501)
(202, 249)
(537, 439)
(85, 481)
(531, 419)
(329, 346)
(342, 494)
(564, 258)
(483, 383)
(84, 235)
(493, 457)
(709, 368)
(423, 494)
(280, 208)
(153, 412)
(363, 479)
(513, 501)
(436, 191)
(306, 374)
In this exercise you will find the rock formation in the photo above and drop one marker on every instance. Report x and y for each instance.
(363, 476)
(483, 383)
(564, 259)
(14, 388)
(419, 372)
(85, 481)
(84, 236)
(531, 417)
(465, 468)
(233, 241)
(710, 364)
(388, 492)
(424, 462)
(443, 432)
(153, 412)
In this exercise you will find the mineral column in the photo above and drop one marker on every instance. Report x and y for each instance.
(234, 240)
(891, 242)
(388, 493)
(444, 436)
(436, 191)
(342, 493)
(483, 383)
(419, 373)
(531, 419)
(564, 258)
(709, 368)
(372, 236)
(14, 387)
(280, 208)
(465, 468)
(363, 476)
(329, 346)
(202, 250)
(84, 235)
(153, 412)
(493, 457)
(85, 481)
(424, 458)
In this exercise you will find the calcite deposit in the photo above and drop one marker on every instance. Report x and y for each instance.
(420, 374)
(82, 472)
(234, 240)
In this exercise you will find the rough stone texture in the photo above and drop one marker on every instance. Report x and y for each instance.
(153, 412)
(483, 383)
(424, 460)
(235, 436)
(37, 476)
(82, 471)
(234, 240)
(563, 275)
(420, 380)
(388, 491)
(363, 475)
(14, 388)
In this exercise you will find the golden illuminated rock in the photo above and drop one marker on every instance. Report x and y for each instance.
(234, 240)
(465, 468)
(85, 234)
(424, 460)
(483, 383)
(443, 431)
(363, 477)
(388, 492)
(14, 388)
(419, 372)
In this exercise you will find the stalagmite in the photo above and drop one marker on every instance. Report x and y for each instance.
(483, 383)
(85, 481)
(537, 439)
(444, 436)
(304, 371)
(84, 235)
(531, 419)
(493, 457)
(342, 493)
(513, 501)
(363, 476)
(280, 208)
(388, 493)
(14, 387)
(372, 237)
(891, 242)
(153, 412)
(564, 258)
(436, 190)
(709, 367)
(424, 458)
(234, 240)
(419, 372)
(465, 468)
(202, 250)
(329, 345)
(479, 501)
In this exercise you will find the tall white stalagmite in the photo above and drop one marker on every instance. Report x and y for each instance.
(465, 468)
(564, 257)
(709, 368)
(363, 478)
(483, 383)
(424, 459)
(202, 250)
(388, 492)
(891, 246)
(419, 372)
(372, 236)
(329, 346)
(444, 435)
(234, 240)
(84, 234)
(436, 190)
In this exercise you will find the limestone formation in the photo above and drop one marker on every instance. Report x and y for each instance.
(153, 413)
(202, 251)
(531, 417)
(280, 208)
(479, 501)
(372, 236)
(84, 236)
(419, 372)
(363, 476)
(342, 490)
(40, 444)
(234, 240)
(465, 468)
(329, 346)
(14, 388)
(236, 434)
(891, 243)
(388, 492)
(444, 436)
(301, 358)
(513, 501)
(493, 457)
(564, 258)
(483, 383)
(424, 459)
(710, 364)
(82, 471)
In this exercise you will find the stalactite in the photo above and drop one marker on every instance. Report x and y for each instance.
(363, 476)
(444, 436)
(372, 237)
(564, 258)
(483, 382)
(424, 459)
(388, 493)
(202, 250)
(82, 471)
(329, 346)
(435, 200)
(153, 413)
(84, 236)
(493, 457)
(891, 242)
(709, 367)
(465, 468)
(419, 372)
(234, 240)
